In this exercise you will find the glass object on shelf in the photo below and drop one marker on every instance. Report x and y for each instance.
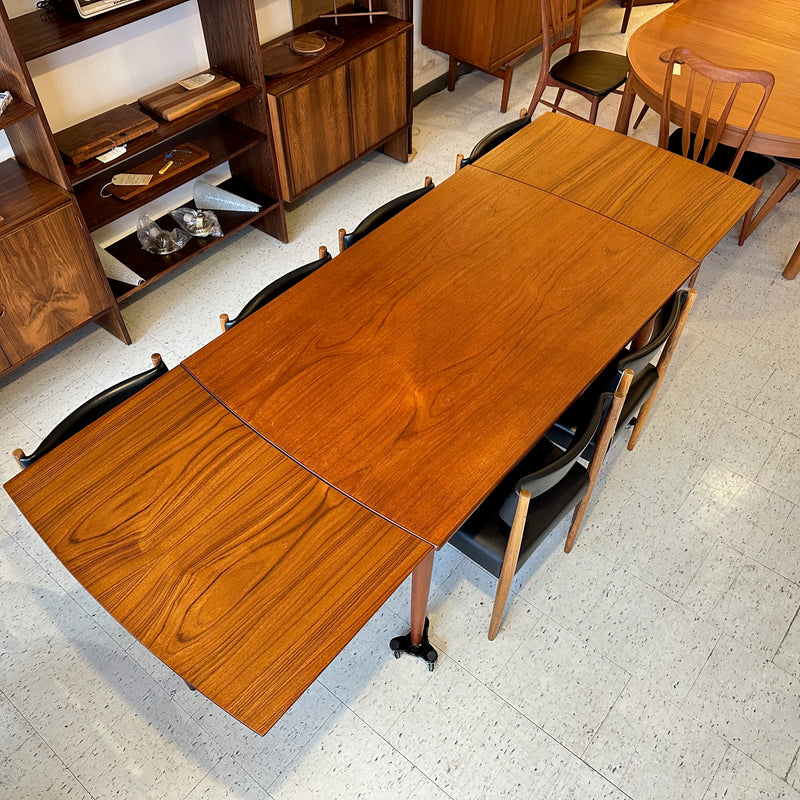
(156, 240)
(197, 222)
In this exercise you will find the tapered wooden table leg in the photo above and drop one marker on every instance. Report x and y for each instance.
(416, 642)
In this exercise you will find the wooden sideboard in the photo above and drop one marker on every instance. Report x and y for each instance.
(489, 35)
(354, 101)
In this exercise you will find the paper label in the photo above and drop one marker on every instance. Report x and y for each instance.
(110, 155)
(128, 179)
(197, 81)
(676, 69)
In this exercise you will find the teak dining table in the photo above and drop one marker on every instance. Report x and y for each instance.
(732, 33)
(244, 515)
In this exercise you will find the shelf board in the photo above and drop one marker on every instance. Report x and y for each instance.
(16, 111)
(166, 130)
(152, 267)
(221, 137)
(26, 196)
(41, 32)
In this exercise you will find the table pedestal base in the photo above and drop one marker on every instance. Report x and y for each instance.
(423, 650)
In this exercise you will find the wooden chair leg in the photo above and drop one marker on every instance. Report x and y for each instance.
(626, 16)
(342, 232)
(793, 266)
(778, 193)
(541, 85)
(509, 562)
(593, 112)
(641, 116)
(559, 97)
(601, 448)
(452, 73)
(661, 367)
(693, 278)
(223, 318)
(748, 215)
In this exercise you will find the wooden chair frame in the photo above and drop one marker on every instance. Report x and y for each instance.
(701, 124)
(511, 556)
(523, 112)
(555, 19)
(788, 183)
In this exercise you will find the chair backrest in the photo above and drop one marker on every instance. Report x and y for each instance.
(558, 29)
(276, 288)
(549, 474)
(492, 139)
(93, 409)
(709, 88)
(381, 215)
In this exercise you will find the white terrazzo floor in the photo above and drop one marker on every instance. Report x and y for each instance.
(659, 661)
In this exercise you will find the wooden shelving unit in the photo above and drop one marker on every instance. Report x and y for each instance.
(234, 130)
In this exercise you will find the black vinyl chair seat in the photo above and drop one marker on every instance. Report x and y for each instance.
(484, 536)
(382, 214)
(792, 162)
(276, 288)
(494, 138)
(752, 167)
(645, 379)
(92, 410)
(557, 483)
(593, 71)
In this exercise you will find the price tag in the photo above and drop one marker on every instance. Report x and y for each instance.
(129, 179)
(110, 155)
(676, 69)
(197, 81)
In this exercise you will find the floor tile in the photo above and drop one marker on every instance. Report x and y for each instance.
(228, 781)
(784, 551)
(788, 654)
(561, 684)
(741, 778)
(779, 473)
(743, 598)
(348, 761)
(653, 750)
(740, 512)
(751, 703)
(654, 544)
(649, 635)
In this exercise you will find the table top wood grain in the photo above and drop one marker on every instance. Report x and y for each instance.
(732, 33)
(668, 197)
(415, 369)
(240, 570)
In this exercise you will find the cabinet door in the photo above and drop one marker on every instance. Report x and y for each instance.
(47, 284)
(315, 128)
(379, 93)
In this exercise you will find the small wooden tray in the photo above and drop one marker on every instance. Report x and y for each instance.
(97, 135)
(280, 59)
(180, 162)
(174, 101)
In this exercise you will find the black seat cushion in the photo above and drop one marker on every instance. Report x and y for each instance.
(594, 71)
(484, 536)
(792, 162)
(752, 167)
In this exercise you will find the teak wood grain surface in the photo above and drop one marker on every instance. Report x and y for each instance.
(415, 369)
(668, 197)
(236, 567)
(732, 33)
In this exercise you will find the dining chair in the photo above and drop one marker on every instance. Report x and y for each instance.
(704, 86)
(492, 139)
(381, 215)
(664, 332)
(277, 287)
(534, 497)
(593, 74)
(92, 410)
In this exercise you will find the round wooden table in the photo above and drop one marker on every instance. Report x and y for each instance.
(732, 33)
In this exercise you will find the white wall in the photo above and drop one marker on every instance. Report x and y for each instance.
(120, 66)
